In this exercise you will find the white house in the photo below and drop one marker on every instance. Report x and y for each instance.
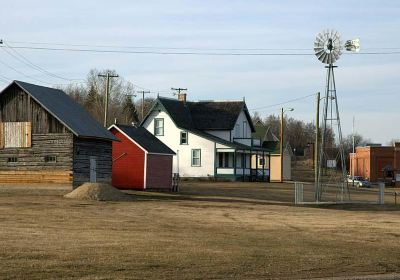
(210, 138)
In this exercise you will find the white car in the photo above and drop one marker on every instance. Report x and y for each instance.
(358, 181)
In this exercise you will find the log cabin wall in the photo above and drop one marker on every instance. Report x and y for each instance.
(101, 150)
(50, 140)
(17, 106)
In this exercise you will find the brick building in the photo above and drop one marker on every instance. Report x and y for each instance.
(375, 162)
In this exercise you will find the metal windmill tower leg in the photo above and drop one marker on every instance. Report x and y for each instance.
(331, 103)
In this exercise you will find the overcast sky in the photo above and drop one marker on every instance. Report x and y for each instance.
(367, 85)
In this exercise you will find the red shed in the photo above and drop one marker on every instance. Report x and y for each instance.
(140, 160)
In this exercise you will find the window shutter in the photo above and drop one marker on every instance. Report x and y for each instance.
(28, 135)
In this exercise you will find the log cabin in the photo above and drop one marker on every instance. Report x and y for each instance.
(47, 137)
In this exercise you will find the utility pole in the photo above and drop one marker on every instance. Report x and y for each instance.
(316, 145)
(107, 76)
(281, 145)
(143, 93)
(179, 89)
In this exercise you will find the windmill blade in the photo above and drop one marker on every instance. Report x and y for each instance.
(318, 53)
(324, 57)
(318, 45)
(321, 55)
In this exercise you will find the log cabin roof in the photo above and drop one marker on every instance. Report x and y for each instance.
(66, 110)
(144, 139)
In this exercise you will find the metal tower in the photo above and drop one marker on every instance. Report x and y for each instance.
(331, 164)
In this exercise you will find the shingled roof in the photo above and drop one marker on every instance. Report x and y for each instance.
(66, 110)
(144, 138)
(205, 115)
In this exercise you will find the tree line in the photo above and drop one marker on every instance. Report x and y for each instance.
(299, 134)
(122, 104)
(127, 109)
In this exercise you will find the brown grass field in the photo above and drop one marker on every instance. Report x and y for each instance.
(207, 231)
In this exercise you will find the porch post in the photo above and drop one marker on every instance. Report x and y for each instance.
(269, 164)
(243, 164)
(263, 167)
(256, 166)
(234, 164)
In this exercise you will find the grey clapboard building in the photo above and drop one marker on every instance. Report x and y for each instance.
(46, 137)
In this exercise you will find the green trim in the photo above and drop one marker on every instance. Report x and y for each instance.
(215, 156)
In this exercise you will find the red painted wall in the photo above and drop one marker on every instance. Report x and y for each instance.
(159, 171)
(128, 170)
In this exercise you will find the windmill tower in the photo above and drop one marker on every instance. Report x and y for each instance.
(331, 162)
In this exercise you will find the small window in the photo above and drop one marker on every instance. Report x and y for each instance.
(159, 127)
(261, 161)
(12, 159)
(184, 138)
(196, 157)
(50, 159)
(244, 129)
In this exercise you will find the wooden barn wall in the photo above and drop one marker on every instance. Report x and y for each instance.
(84, 148)
(17, 106)
(31, 165)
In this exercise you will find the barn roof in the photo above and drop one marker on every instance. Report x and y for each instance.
(205, 115)
(144, 138)
(66, 110)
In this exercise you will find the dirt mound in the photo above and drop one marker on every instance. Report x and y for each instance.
(98, 191)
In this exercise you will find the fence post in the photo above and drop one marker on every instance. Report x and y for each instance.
(381, 193)
(298, 193)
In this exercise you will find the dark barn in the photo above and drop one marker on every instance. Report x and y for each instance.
(46, 137)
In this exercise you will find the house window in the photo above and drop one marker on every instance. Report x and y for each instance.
(12, 159)
(50, 159)
(225, 160)
(159, 127)
(184, 138)
(196, 157)
(244, 129)
(261, 161)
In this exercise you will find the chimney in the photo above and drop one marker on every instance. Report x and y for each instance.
(182, 97)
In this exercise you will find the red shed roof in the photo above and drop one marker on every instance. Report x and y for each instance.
(144, 139)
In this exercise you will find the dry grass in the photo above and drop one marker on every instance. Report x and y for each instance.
(208, 231)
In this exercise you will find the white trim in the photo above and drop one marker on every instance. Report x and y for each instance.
(145, 171)
(133, 141)
(161, 154)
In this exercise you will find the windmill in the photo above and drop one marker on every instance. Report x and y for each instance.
(328, 48)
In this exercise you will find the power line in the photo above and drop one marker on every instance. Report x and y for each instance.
(21, 73)
(29, 63)
(87, 50)
(181, 48)
(282, 103)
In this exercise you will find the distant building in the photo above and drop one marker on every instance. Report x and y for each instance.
(210, 138)
(273, 159)
(376, 162)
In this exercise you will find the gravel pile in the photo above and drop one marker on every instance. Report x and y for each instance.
(98, 191)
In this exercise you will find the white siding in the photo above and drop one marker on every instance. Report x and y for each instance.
(239, 126)
(183, 156)
(223, 134)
